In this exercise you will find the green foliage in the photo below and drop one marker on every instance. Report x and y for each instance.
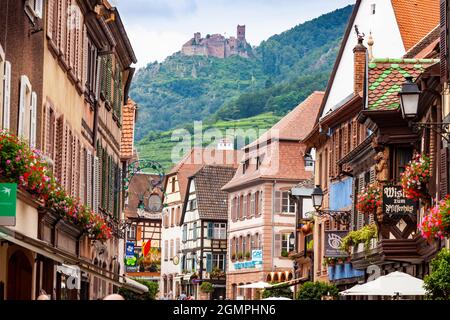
(153, 289)
(158, 145)
(207, 287)
(277, 292)
(363, 235)
(284, 253)
(183, 89)
(315, 290)
(437, 283)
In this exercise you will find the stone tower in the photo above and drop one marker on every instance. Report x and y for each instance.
(241, 33)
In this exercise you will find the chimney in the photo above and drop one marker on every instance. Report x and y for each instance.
(359, 53)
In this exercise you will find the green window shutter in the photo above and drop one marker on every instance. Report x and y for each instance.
(210, 230)
(109, 76)
(104, 71)
(208, 262)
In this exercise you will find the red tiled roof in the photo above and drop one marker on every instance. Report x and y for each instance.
(197, 158)
(297, 123)
(386, 77)
(128, 120)
(415, 19)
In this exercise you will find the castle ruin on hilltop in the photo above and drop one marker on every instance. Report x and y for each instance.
(216, 45)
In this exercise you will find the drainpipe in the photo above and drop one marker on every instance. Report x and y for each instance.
(273, 221)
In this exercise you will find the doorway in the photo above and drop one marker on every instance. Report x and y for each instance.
(19, 277)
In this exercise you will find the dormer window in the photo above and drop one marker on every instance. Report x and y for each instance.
(245, 166)
(259, 161)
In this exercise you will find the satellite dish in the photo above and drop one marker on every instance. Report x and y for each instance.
(155, 202)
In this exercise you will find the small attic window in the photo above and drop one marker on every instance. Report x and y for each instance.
(245, 166)
(373, 7)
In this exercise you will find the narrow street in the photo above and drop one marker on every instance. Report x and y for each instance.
(148, 154)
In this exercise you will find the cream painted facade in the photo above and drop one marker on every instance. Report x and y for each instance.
(269, 226)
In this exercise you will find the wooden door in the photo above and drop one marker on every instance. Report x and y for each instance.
(19, 277)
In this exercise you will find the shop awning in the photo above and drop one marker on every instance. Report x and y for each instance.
(290, 283)
(134, 285)
(60, 256)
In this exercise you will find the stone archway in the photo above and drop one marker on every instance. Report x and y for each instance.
(20, 275)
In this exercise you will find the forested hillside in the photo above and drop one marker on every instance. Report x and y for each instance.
(282, 72)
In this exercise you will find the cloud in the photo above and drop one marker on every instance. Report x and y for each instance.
(158, 28)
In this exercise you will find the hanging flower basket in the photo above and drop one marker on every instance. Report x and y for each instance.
(25, 166)
(415, 177)
(369, 199)
(436, 224)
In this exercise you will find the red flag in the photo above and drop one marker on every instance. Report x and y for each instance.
(146, 248)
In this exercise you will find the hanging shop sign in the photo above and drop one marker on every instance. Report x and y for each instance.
(395, 202)
(333, 241)
(129, 251)
(8, 200)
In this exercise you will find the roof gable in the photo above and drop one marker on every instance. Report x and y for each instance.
(211, 200)
(415, 18)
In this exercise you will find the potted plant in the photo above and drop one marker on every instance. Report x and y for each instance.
(233, 256)
(415, 177)
(362, 237)
(369, 198)
(207, 288)
(248, 255)
(284, 253)
(239, 256)
(436, 224)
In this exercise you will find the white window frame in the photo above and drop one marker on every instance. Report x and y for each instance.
(285, 239)
(33, 9)
(217, 260)
(24, 104)
(219, 230)
(131, 232)
(289, 203)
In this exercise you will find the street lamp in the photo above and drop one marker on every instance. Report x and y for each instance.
(409, 103)
(341, 216)
(409, 99)
(317, 197)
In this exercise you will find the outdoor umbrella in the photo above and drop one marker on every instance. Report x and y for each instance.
(256, 285)
(393, 284)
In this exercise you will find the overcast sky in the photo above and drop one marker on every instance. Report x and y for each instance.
(158, 28)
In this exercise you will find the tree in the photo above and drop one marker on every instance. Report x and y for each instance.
(277, 292)
(437, 283)
(315, 290)
(153, 289)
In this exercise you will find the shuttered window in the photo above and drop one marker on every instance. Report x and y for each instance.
(177, 246)
(171, 249)
(7, 96)
(166, 250)
(96, 184)
(24, 105)
(277, 245)
(33, 120)
(277, 202)
(444, 40)
(443, 183)
(208, 262)
(89, 182)
(233, 208)
(360, 216)
(245, 207)
(252, 205)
